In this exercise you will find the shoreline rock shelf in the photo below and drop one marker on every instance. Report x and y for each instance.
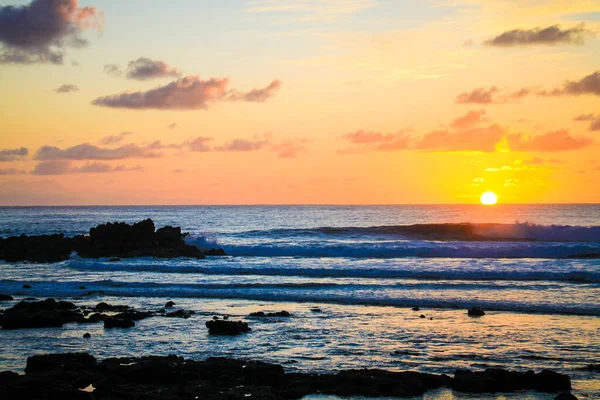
(112, 240)
(173, 377)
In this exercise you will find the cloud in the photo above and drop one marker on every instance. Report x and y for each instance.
(113, 70)
(13, 154)
(467, 139)
(589, 84)
(470, 119)
(551, 35)
(491, 95)
(60, 167)
(511, 182)
(376, 141)
(594, 121)
(290, 148)
(559, 140)
(199, 144)
(243, 145)
(144, 68)
(172, 126)
(67, 88)
(114, 139)
(88, 151)
(39, 31)
(11, 171)
(258, 95)
(188, 93)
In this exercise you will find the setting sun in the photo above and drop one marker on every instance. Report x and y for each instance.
(489, 198)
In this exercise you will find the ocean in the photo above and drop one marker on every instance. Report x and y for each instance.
(533, 268)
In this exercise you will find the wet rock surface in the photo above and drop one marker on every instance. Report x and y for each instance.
(500, 380)
(476, 312)
(171, 377)
(261, 314)
(112, 240)
(227, 328)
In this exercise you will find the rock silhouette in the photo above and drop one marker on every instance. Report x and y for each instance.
(112, 240)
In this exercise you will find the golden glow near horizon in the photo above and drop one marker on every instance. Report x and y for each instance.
(365, 102)
(488, 198)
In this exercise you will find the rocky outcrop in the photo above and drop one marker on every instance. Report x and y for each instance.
(112, 240)
(125, 323)
(228, 328)
(42, 314)
(64, 375)
(500, 380)
(5, 297)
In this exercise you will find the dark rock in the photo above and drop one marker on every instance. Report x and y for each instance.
(103, 307)
(231, 328)
(57, 362)
(42, 314)
(94, 318)
(111, 240)
(416, 309)
(134, 315)
(180, 314)
(500, 380)
(475, 312)
(316, 310)
(110, 323)
(5, 297)
(593, 367)
(170, 304)
(565, 396)
(422, 316)
(271, 314)
(87, 335)
(214, 252)
(61, 376)
(82, 287)
(26, 286)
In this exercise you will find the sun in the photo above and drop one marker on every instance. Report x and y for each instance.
(489, 198)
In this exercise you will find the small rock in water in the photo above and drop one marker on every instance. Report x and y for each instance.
(170, 304)
(215, 318)
(422, 316)
(118, 323)
(565, 396)
(593, 367)
(229, 328)
(26, 287)
(271, 314)
(316, 310)
(82, 287)
(4, 297)
(87, 335)
(416, 309)
(475, 312)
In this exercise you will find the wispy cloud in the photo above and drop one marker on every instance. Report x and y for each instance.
(551, 35)
(67, 88)
(114, 139)
(555, 141)
(60, 167)
(188, 93)
(594, 120)
(144, 68)
(87, 151)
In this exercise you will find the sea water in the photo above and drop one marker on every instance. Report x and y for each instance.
(533, 268)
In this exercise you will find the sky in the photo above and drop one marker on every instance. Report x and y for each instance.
(299, 101)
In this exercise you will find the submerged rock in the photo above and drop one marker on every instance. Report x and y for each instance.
(565, 396)
(229, 328)
(5, 297)
(170, 304)
(87, 335)
(180, 314)
(475, 312)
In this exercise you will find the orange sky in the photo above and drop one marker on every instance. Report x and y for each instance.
(297, 102)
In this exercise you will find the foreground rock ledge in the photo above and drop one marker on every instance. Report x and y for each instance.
(107, 240)
(63, 376)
